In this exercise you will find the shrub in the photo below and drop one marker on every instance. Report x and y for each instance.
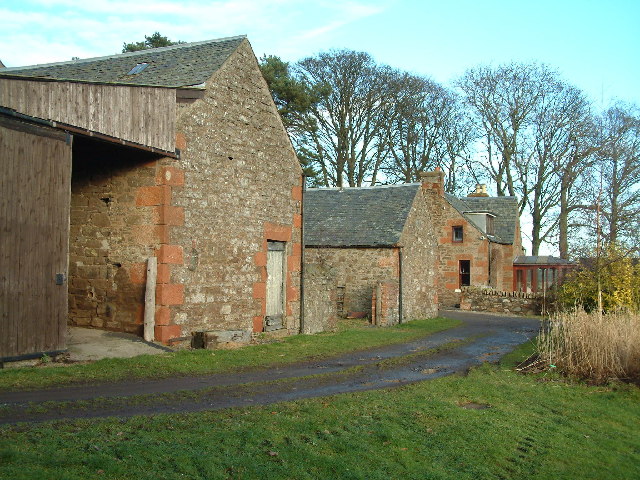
(593, 346)
(619, 283)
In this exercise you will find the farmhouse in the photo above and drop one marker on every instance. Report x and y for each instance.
(175, 156)
(478, 238)
(377, 244)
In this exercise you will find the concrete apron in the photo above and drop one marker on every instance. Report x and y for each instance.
(86, 344)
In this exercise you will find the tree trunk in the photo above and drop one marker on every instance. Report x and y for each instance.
(563, 221)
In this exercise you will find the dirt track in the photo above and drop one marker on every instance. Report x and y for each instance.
(481, 338)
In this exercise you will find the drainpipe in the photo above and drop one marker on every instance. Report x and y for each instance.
(302, 250)
(400, 285)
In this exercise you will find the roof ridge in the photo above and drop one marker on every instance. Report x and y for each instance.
(506, 197)
(365, 187)
(125, 54)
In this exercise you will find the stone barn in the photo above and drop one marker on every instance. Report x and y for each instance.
(478, 238)
(378, 245)
(173, 156)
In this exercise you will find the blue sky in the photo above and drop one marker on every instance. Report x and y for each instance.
(594, 44)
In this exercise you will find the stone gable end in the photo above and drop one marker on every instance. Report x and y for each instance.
(419, 263)
(242, 188)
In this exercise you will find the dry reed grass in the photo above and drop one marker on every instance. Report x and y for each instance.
(593, 346)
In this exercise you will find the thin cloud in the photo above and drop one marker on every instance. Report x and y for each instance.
(42, 31)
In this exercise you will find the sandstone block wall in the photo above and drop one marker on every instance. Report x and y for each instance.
(474, 247)
(111, 236)
(502, 265)
(357, 269)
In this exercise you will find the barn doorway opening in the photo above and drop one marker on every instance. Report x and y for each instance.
(111, 235)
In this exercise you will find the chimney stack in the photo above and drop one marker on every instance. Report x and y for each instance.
(433, 180)
(481, 191)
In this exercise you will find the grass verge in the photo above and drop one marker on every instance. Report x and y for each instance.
(530, 429)
(351, 336)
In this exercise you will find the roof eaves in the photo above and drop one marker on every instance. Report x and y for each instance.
(89, 82)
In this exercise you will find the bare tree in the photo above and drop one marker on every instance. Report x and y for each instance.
(426, 128)
(347, 142)
(503, 101)
(459, 134)
(619, 161)
(573, 170)
(546, 176)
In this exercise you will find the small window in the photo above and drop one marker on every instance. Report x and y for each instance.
(457, 234)
(137, 69)
(490, 225)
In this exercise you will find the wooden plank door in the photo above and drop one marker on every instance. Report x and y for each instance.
(35, 190)
(275, 285)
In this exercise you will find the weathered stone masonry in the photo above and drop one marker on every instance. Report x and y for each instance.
(491, 262)
(207, 217)
(377, 245)
(419, 263)
(110, 237)
(472, 248)
(358, 269)
(167, 217)
(242, 187)
(121, 214)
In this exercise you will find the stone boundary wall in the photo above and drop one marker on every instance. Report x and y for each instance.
(490, 300)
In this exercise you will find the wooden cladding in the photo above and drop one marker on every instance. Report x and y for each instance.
(35, 189)
(141, 115)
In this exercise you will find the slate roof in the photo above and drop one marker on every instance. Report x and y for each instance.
(183, 65)
(541, 260)
(505, 210)
(357, 217)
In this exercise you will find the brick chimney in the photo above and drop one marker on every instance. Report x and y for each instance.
(481, 191)
(433, 180)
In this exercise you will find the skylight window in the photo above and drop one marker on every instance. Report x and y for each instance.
(138, 68)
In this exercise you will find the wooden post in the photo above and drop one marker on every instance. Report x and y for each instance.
(150, 299)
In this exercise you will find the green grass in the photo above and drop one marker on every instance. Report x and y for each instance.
(351, 336)
(534, 428)
(519, 354)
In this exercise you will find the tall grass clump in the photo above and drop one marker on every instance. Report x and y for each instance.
(593, 346)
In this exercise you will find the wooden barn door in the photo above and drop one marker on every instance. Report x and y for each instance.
(35, 190)
(275, 285)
